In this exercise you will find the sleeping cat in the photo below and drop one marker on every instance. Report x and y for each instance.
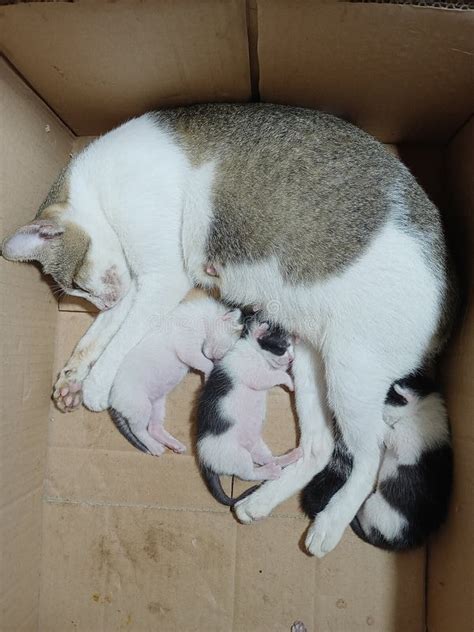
(196, 334)
(289, 208)
(411, 495)
(232, 407)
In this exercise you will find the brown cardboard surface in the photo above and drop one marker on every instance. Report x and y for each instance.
(399, 72)
(132, 568)
(37, 145)
(451, 556)
(98, 63)
(146, 568)
(136, 542)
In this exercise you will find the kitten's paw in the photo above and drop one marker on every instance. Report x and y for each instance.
(252, 508)
(156, 449)
(272, 471)
(67, 392)
(179, 448)
(323, 535)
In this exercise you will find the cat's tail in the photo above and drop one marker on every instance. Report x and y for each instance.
(123, 426)
(375, 538)
(214, 485)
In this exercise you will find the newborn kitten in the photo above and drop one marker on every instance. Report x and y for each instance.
(232, 409)
(197, 333)
(411, 496)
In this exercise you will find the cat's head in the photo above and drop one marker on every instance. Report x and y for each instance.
(273, 342)
(85, 266)
(223, 334)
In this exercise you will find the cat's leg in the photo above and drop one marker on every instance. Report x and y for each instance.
(290, 457)
(263, 380)
(193, 357)
(261, 454)
(154, 447)
(155, 298)
(67, 392)
(157, 430)
(244, 467)
(358, 406)
(316, 438)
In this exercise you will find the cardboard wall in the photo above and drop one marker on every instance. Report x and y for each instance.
(451, 557)
(401, 73)
(34, 147)
(99, 63)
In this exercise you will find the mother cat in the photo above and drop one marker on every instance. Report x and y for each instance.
(292, 209)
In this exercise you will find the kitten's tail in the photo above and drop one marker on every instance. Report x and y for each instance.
(123, 426)
(214, 485)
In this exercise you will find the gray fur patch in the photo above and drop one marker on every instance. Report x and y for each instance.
(300, 185)
(66, 257)
(58, 193)
(303, 186)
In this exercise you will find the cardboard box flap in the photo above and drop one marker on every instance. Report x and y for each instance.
(451, 555)
(97, 64)
(400, 72)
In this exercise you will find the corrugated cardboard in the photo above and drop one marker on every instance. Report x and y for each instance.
(34, 147)
(100, 538)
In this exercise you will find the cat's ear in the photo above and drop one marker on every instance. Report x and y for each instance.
(28, 243)
(233, 314)
(260, 330)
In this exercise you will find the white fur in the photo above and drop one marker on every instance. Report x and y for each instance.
(126, 191)
(252, 371)
(194, 335)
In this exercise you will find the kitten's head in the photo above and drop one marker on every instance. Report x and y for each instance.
(222, 334)
(93, 268)
(274, 343)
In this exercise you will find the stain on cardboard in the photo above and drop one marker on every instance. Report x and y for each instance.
(104, 553)
(157, 608)
(98, 598)
(340, 603)
(159, 537)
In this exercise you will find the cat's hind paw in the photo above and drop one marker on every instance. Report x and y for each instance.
(67, 392)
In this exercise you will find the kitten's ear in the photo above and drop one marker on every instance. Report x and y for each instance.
(260, 330)
(233, 314)
(28, 242)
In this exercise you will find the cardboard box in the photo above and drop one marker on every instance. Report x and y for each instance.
(97, 537)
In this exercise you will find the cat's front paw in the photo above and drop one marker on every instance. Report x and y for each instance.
(324, 534)
(67, 392)
(253, 507)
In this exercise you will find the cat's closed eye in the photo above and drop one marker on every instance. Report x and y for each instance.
(76, 286)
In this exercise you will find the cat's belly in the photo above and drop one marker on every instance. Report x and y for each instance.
(387, 296)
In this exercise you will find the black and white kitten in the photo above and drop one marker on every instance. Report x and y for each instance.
(411, 496)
